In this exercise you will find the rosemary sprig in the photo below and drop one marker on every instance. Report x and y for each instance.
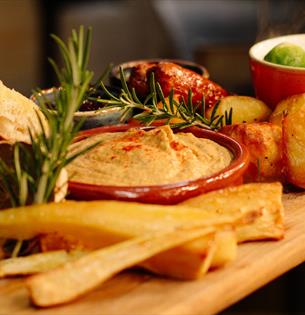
(177, 113)
(50, 147)
(32, 176)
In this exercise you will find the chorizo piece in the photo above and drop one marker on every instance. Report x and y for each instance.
(181, 80)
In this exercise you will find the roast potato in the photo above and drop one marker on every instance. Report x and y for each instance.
(293, 123)
(283, 107)
(264, 142)
(244, 109)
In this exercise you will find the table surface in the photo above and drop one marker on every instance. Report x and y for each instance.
(136, 292)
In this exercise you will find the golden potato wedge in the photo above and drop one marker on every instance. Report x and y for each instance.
(245, 109)
(244, 198)
(278, 114)
(294, 140)
(264, 142)
(283, 108)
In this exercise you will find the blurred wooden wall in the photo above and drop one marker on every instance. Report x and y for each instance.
(20, 44)
(122, 31)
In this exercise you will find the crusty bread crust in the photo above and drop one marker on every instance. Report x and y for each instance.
(17, 115)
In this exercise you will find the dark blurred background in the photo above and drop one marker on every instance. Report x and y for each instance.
(214, 33)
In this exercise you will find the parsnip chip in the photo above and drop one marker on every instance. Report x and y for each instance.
(100, 223)
(193, 259)
(35, 263)
(76, 278)
(190, 261)
(242, 199)
(225, 248)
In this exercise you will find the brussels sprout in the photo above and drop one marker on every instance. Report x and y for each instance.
(287, 54)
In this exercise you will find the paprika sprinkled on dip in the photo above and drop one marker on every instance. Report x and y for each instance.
(155, 157)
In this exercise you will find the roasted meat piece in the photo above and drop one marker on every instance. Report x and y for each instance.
(138, 78)
(170, 76)
(181, 80)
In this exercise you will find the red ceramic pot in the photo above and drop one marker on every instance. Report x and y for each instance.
(272, 82)
(170, 193)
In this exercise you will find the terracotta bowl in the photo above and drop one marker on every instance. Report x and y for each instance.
(114, 75)
(273, 82)
(170, 193)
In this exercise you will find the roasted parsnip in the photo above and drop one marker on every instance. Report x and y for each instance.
(244, 199)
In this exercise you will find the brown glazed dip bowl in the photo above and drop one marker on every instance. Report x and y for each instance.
(169, 193)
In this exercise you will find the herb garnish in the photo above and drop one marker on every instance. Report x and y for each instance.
(157, 107)
(32, 176)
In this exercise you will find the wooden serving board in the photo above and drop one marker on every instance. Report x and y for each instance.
(134, 292)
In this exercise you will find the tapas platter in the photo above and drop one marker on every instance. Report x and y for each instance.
(170, 212)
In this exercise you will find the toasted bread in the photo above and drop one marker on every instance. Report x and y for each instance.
(18, 114)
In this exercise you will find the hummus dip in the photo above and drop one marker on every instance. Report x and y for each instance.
(140, 158)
